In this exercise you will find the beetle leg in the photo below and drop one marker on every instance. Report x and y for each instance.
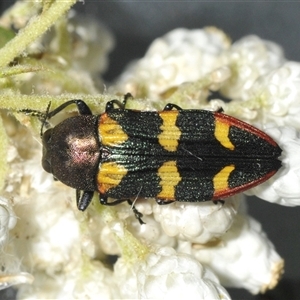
(110, 105)
(217, 95)
(83, 200)
(170, 106)
(163, 202)
(220, 110)
(137, 214)
(103, 201)
(81, 106)
(218, 201)
(126, 97)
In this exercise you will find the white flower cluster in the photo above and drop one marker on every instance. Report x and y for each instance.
(180, 56)
(244, 259)
(166, 274)
(10, 273)
(264, 89)
(184, 249)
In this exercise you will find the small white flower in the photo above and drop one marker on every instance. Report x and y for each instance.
(87, 280)
(152, 232)
(279, 94)
(47, 233)
(197, 222)
(94, 281)
(165, 274)
(250, 58)
(181, 55)
(8, 219)
(10, 273)
(244, 258)
(170, 275)
(284, 187)
(92, 43)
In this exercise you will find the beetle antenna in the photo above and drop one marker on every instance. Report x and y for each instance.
(44, 120)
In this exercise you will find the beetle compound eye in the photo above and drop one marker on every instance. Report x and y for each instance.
(47, 136)
(46, 160)
(46, 165)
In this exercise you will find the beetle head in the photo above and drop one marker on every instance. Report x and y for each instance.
(71, 152)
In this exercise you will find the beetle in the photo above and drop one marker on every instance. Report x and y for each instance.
(171, 155)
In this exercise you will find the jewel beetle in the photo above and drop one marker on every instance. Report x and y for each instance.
(171, 155)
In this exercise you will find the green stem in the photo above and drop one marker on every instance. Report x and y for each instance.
(35, 28)
(15, 102)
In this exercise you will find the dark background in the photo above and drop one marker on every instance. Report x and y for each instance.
(136, 24)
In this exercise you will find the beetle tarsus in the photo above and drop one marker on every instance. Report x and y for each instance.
(137, 214)
(220, 110)
(110, 105)
(218, 201)
(171, 106)
(126, 97)
(103, 201)
(163, 202)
